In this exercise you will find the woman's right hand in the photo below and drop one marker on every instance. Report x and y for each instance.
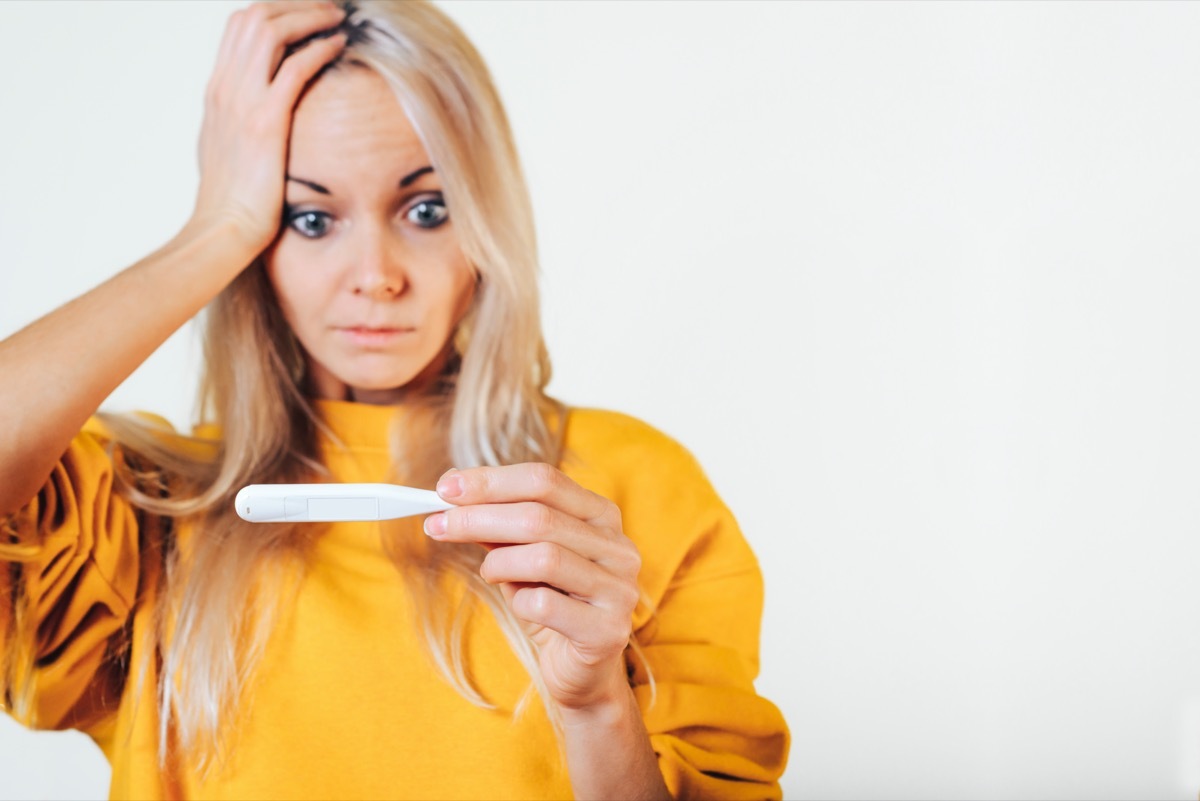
(248, 114)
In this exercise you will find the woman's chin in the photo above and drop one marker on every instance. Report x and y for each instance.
(380, 396)
(381, 381)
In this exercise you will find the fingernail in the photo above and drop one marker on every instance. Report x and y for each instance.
(435, 525)
(450, 486)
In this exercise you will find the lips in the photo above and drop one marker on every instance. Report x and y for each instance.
(373, 336)
(374, 329)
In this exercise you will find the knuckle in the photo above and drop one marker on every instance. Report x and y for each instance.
(633, 561)
(547, 558)
(532, 601)
(458, 519)
(612, 515)
(259, 26)
(261, 124)
(538, 520)
(292, 74)
(545, 478)
(629, 597)
(547, 597)
(288, 79)
(251, 24)
(617, 633)
(257, 13)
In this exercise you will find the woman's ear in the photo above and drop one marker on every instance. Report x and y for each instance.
(461, 338)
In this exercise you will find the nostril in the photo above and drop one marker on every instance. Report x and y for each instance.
(379, 280)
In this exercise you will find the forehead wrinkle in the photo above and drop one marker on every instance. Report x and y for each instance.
(350, 132)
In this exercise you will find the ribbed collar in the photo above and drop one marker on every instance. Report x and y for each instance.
(359, 425)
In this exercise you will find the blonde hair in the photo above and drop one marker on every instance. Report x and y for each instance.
(490, 407)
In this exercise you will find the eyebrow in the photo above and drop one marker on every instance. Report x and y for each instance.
(414, 175)
(405, 181)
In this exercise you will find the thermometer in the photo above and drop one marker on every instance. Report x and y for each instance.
(301, 503)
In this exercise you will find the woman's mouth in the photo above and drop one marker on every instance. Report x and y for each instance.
(372, 337)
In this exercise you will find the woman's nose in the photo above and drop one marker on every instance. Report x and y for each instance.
(379, 271)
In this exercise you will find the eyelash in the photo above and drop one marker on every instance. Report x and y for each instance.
(291, 215)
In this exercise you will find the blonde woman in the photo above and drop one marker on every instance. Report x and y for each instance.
(583, 622)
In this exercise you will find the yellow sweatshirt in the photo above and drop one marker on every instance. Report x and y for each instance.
(345, 704)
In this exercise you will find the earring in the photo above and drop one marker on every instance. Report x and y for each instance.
(461, 339)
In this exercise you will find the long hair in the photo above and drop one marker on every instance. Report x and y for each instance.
(490, 407)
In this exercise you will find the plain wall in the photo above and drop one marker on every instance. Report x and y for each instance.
(916, 282)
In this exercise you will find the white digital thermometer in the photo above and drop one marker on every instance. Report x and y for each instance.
(300, 503)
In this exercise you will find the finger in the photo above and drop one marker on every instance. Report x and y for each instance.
(591, 629)
(286, 29)
(247, 46)
(275, 8)
(232, 31)
(226, 65)
(250, 23)
(533, 481)
(518, 523)
(562, 569)
(299, 68)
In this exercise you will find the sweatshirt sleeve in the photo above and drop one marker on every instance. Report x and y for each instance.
(69, 567)
(697, 629)
(714, 735)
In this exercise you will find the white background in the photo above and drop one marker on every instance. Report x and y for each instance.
(916, 282)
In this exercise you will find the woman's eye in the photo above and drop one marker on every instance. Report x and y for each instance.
(428, 213)
(312, 224)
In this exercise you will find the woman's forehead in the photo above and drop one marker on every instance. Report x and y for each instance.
(349, 126)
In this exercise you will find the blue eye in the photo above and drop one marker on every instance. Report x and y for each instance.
(428, 213)
(310, 224)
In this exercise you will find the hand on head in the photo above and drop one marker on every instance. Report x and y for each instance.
(248, 112)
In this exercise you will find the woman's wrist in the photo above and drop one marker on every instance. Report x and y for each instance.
(232, 236)
(613, 708)
(607, 698)
(611, 711)
(608, 749)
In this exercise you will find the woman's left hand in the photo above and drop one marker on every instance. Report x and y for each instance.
(564, 565)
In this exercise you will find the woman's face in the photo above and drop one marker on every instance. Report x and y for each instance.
(368, 270)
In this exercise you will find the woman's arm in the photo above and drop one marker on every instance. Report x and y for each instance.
(58, 370)
(609, 753)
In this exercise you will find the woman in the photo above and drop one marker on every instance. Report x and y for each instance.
(587, 564)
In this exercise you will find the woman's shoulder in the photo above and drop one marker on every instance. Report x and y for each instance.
(669, 507)
(623, 457)
(606, 435)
